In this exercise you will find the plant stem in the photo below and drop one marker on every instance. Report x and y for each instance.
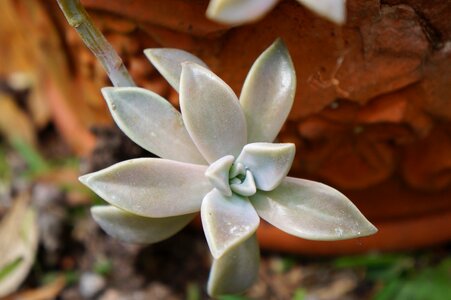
(78, 18)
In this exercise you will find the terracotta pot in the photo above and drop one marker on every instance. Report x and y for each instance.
(372, 111)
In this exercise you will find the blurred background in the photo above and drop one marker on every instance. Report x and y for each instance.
(372, 118)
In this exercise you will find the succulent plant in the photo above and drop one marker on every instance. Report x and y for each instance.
(217, 156)
(236, 12)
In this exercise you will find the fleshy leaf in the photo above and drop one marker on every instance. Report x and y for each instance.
(227, 221)
(268, 93)
(269, 163)
(245, 188)
(236, 270)
(169, 63)
(151, 187)
(236, 169)
(236, 12)
(218, 174)
(235, 180)
(151, 122)
(311, 210)
(212, 113)
(132, 228)
(333, 10)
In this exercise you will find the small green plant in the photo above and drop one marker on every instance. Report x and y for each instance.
(404, 276)
(217, 156)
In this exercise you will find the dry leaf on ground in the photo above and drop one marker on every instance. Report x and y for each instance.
(18, 244)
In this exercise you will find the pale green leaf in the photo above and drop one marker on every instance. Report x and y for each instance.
(218, 174)
(237, 169)
(212, 113)
(168, 62)
(151, 122)
(236, 270)
(268, 93)
(132, 228)
(227, 221)
(245, 188)
(235, 12)
(333, 10)
(311, 210)
(151, 187)
(269, 163)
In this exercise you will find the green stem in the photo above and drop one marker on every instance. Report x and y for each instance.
(78, 18)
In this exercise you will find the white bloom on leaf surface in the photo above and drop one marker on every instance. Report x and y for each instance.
(237, 12)
(217, 156)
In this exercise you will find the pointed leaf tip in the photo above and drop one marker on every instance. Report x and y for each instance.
(84, 179)
(168, 62)
(227, 221)
(151, 122)
(333, 10)
(235, 12)
(269, 162)
(218, 174)
(151, 187)
(311, 210)
(247, 187)
(211, 112)
(268, 93)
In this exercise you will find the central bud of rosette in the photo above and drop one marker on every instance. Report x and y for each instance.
(228, 176)
(259, 166)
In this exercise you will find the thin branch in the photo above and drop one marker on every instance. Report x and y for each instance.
(78, 18)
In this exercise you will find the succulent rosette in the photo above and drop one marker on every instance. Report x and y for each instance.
(217, 157)
(236, 12)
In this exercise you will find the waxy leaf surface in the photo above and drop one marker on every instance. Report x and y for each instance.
(268, 93)
(245, 188)
(333, 10)
(218, 174)
(236, 12)
(132, 228)
(151, 187)
(227, 221)
(311, 210)
(269, 163)
(169, 63)
(211, 112)
(236, 270)
(151, 122)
